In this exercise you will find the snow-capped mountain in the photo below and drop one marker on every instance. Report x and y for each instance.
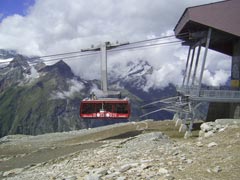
(134, 78)
(36, 98)
(6, 57)
(5, 54)
(134, 74)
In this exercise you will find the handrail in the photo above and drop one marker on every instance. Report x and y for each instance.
(210, 92)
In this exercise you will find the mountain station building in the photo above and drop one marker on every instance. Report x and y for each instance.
(213, 26)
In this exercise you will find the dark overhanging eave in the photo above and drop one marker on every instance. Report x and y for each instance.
(206, 11)
(220, 41)
(225, 26)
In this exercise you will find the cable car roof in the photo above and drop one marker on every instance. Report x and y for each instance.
(105, 99)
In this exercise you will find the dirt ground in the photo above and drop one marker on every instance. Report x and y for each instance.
(219, 161)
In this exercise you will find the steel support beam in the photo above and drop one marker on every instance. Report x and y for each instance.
(196, 65)
(204, 59)
(104, 83)
(185, 73)
(190, 68)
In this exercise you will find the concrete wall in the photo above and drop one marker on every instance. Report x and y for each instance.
(228, 110)
(235, 110)
(223, 111)
(218, 111)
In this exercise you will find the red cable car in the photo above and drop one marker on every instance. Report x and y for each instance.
(106, 108)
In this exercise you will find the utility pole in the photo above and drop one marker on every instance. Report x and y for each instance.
(103, 47)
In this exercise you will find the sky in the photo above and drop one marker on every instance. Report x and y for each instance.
(42, 27)
(10, 7)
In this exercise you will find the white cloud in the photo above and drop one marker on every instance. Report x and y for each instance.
(168, 73)
(219, 78)
(98, 92)
(217, 61)
(62, 25)
(59, 26)
(74, 86)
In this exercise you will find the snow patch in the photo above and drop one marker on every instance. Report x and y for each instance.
(31, 76)
(5, 62)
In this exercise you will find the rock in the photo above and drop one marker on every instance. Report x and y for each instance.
(205, 127)
(218, 126)
(208, 134)
(212, 144)
(111, 176)
(92, 177)
(175, 153)
(222, 129)
(12, 172)
(189, 161)
(209, 170)
(199, 144)
(145, 166)
(237, 135)
(163, 171)
(92, 164)
(180, 168)
(100, 171)
(125, 168)
(121, 178)
(217, 169)
(201, 133)
(169, 177)
(71, 178)
(209, 128)
(183, 159)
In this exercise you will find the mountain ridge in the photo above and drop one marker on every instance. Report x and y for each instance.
(38, 99)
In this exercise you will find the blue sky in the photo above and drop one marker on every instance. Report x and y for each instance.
(10, 7)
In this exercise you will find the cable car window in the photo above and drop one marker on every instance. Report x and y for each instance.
(88, 108)
(121, 108)
(98, 107)
(108, 107)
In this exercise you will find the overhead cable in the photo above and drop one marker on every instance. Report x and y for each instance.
(131, 43)
(127, 47)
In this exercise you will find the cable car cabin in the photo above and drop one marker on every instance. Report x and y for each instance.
(105, 108)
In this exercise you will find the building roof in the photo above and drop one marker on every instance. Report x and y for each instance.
(223, 17)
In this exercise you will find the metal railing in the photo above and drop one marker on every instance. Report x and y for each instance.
(225, 94)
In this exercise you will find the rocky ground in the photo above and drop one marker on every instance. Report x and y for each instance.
(144, 150)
